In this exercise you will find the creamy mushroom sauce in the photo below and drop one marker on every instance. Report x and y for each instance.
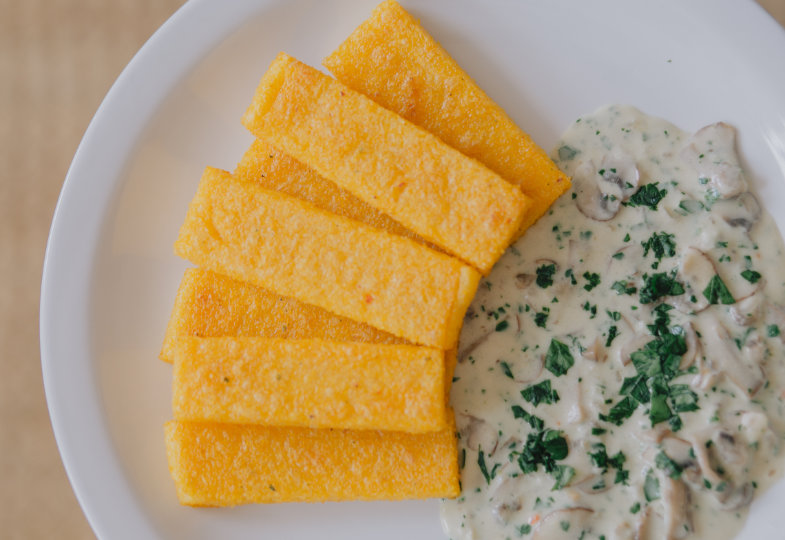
(621, 370)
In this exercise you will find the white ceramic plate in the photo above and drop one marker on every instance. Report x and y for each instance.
(110, 276)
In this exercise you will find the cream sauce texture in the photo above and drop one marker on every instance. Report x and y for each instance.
(621, 370)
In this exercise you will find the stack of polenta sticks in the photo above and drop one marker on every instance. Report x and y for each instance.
(313, 345)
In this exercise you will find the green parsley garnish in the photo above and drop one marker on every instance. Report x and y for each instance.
(593, 280)
(506, 369)
(623, 287)
(558, 359)
(660, 244)
(751, 275)
(540, 393)
(545, 275)
(534, 421)
(772, 330)
(657, 285)
(501, 326)
(647, 195)
(717, 293)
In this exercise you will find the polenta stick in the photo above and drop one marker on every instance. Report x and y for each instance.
(212, 305)
(309, 383)
(453, 201)
(394, 61)
(231, 464)
(273, 169)
(295, 249)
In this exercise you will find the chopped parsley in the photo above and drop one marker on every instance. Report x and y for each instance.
(717, 293)
(502, 325)
(651, 487)
(534, 421)
(647, 195)
(506, 369)
(541, 317)
(603, 461)
(623, 287)
(613, 331)
(772, 330)
(751, 275)
(670, 467)
(540, 393)
(660, 244)
(545, 448)
(593, 280)
(558, 359)
(657, 285)
(545, 275)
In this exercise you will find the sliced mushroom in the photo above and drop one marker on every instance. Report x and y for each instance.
(676, 500)
(721, 355)
(742, 211)
(596, 352)
(731, 457)
(592, 484)
(526, 369)
(506, 495)
(644, 525)
(711, 151)
(600, 192)
(697, 269)
(682, 453)
(775, 315)
(478, 434)
(522, 281)
(565, 524)
(749, 310)
(620, 171)
(636, 343)
(693, 346)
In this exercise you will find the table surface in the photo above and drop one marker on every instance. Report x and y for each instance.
(57, 60)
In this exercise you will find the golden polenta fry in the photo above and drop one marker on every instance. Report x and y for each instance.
(309, 383)
(394, 61)
(273, 169)
(231, 464)
(295, 249)
(212, 305)
(429, 187)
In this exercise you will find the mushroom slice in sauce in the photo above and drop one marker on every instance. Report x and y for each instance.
(478, 434)
(697, 269)
(565, 524)
(526, 369)
(742, 211)
(600, 192)
(711, 151)
(722, 355)
(678, 516)
(749, 310)
(506, 493)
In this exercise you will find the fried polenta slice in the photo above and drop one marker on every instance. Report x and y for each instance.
(404, 171)
(309, 383)
(273, 169)
(297, 250)
(232, 464)
(212, 305)
(394, 61)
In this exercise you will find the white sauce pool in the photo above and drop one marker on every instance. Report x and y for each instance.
(650, 300)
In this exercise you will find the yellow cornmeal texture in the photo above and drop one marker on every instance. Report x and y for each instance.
(232, 464)
(273, 169)
(212, 305)
(309, 383)
(394, 61)
(295, 249)
(432, 189)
